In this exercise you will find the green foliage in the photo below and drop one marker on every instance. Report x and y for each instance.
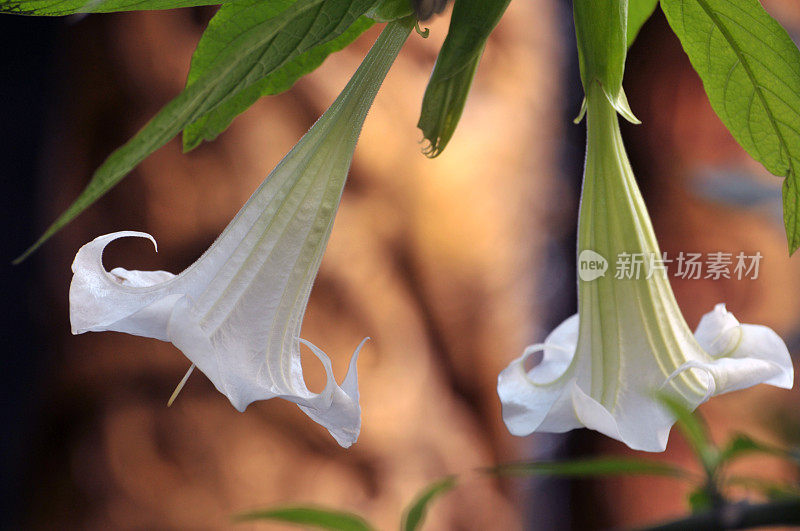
(298, 50)
(708, 499)
(264, 39)
(384, 11)
(413, 516)
(710, 508)
(69, 7)
(254, 48)
(443, 105)
(470, 25)
(309, 516)
(601, 466)
(700, 500)
(415, 513)
(769, 489)
(638, 13)
(742, 445)
(750, 69)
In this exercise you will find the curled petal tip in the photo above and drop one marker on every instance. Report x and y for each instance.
(350, 382)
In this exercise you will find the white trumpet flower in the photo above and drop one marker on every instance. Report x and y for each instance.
(603, 367)
(236, 313)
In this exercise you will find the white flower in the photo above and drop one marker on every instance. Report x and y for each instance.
(236, 313)
(603, 367)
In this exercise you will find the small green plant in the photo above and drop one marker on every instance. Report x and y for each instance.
(710, 503)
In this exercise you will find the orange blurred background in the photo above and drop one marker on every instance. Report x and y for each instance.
(451, 265)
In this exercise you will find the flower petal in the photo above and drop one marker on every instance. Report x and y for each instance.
(120, 300)
(743, 355)
(528, 397)
(642, 424)
(762, 343)
(342, 417)
(718, 332)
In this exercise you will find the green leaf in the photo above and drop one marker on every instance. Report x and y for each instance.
(69, 7)
(700, 500)
(415, 514)
(768, 488)
(443, 105)
(310, 516)
(217, 36)
(742, 445)
(269, 34)
(638, 13)
(471, 24)
(602, 466)
(750, 69)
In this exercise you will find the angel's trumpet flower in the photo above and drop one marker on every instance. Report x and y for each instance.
(603, 367)
(236, 312)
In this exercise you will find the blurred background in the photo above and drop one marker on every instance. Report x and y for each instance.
(451, 265)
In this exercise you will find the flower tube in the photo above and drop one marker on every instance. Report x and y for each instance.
(236, 313)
